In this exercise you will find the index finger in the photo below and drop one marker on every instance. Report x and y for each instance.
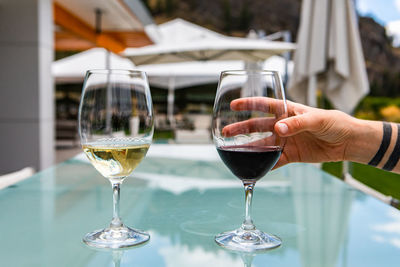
(267, 105)
(263, 104)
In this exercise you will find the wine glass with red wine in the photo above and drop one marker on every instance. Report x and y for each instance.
(247, 105)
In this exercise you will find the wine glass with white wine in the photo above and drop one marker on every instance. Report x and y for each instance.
(116, 130)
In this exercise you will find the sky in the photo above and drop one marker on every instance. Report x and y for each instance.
(385, 12)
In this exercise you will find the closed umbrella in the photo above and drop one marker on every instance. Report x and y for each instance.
(329, 55)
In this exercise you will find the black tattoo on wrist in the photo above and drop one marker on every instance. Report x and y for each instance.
(387, 135)
(394, 157)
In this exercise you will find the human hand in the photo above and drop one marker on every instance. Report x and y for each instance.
(313, 135)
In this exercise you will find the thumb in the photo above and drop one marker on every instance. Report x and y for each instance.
(297, 124)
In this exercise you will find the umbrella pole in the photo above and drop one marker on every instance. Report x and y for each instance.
(171, 100)
(346, 165)
(287, 37)
(109, 95)
(312, 91)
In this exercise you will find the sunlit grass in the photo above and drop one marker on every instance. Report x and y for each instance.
(385, 182)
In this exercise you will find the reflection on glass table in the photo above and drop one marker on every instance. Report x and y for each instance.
(183, 202)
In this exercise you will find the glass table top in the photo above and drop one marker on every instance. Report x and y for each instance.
(183, 196)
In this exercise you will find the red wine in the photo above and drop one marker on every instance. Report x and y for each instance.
(249, 162)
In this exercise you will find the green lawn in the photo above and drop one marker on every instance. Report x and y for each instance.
(162, 136)
(385, 182)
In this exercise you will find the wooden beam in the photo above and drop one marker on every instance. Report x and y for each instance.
(110, 43)
(131, 38)
(66, 41)
(75, 25)
(70, 22)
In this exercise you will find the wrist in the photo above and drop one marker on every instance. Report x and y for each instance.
(365, 140)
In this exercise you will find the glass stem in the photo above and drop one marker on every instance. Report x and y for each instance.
(248, 222)
(247, 259)
(116, 220)
(117, 255)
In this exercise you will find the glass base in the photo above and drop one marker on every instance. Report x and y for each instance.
(247, 240)
(120, 237)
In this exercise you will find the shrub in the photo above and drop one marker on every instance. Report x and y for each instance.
(391, 113)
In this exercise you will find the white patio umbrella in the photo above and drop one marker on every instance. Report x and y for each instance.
(175, 76)
(194, 73)
(227, 48)
(170, 76)
(329, 55)
(185, 41)
(73, 68)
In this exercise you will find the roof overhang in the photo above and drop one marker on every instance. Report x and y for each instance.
(77, 29)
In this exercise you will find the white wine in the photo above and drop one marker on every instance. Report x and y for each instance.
(116, 160)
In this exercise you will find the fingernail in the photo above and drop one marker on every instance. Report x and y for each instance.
(283, 129)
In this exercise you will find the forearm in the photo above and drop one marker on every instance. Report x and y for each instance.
(375, 144)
